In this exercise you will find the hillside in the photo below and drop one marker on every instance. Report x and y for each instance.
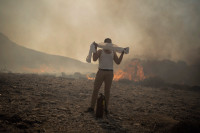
(16, 58)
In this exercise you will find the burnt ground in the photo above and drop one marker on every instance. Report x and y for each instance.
(36, 103)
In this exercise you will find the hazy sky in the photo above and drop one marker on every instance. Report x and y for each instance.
(161, 29)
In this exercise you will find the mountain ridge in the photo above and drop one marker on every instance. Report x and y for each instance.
(15, 58)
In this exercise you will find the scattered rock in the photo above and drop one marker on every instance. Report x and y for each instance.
(15, 118)
(51, 104)
(137, 124)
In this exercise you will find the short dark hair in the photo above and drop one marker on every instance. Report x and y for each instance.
(107, 40)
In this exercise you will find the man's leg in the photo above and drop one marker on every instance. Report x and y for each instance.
(108, 83)
(97, 84)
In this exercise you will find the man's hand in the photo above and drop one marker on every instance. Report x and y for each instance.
(123, 52)
(95, 44)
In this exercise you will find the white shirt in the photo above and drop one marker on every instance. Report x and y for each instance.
(106, 60)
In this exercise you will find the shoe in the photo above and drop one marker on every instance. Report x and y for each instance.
(90, 110)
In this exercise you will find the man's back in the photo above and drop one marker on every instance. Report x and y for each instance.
(106, 60)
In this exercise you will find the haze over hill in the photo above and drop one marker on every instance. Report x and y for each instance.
(16, 58)
(153, 29)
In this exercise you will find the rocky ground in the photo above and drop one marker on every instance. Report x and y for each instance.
(36, 103)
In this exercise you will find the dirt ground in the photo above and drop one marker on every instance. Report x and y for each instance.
(36, 103)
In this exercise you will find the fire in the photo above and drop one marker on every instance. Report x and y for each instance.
(90, 78)
(41, 69)
(133, 71)
(119, 75)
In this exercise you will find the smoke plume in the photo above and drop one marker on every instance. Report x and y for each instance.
(153, 29)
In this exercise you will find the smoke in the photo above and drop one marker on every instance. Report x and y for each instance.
(153, 29)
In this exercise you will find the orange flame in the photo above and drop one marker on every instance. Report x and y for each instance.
(133, 71)
(89, 78)
(41, 69)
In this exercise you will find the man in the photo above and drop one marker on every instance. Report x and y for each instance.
(105, 73)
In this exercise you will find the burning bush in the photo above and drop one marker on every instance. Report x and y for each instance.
(133, 71)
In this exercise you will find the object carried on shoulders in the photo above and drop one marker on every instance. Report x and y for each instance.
(113, 47)
(107, 46)
(92, 50)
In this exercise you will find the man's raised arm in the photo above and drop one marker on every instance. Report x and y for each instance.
(118, 60)
(96, 55)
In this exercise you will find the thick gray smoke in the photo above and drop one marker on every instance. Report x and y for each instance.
(155, 29)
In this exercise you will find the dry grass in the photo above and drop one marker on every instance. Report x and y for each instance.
(33, 103)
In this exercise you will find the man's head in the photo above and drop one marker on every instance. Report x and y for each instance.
(107, 40)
